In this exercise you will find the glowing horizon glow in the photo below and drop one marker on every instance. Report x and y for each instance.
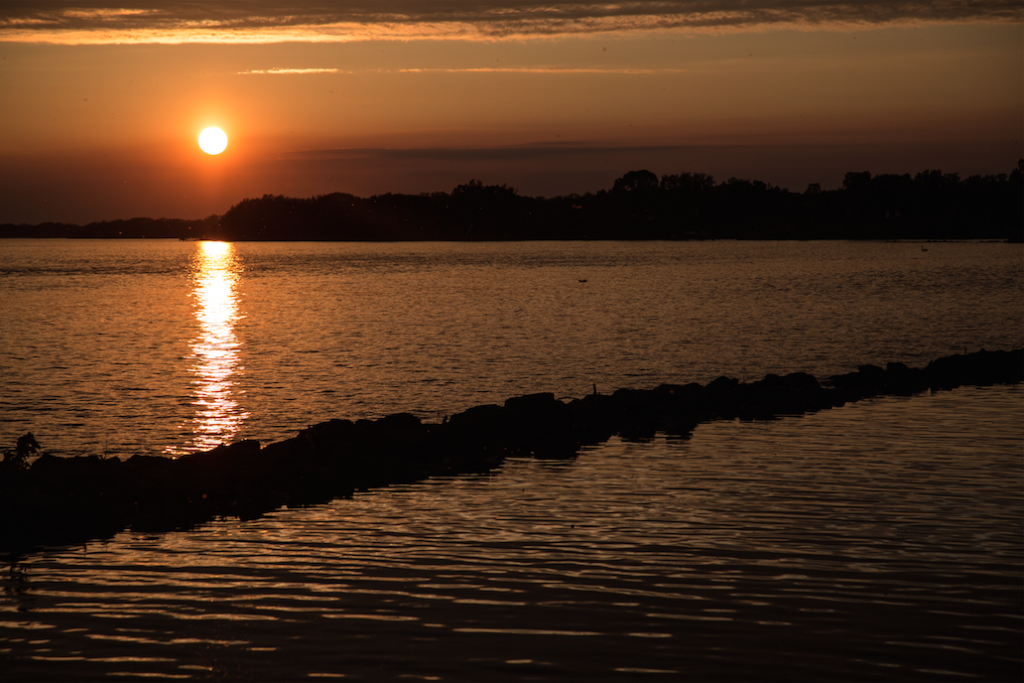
(213, 141)
(542, 96)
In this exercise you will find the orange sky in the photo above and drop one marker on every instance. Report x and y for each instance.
(104, 101)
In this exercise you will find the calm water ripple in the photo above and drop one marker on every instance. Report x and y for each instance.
(153, 346)
(878, 541)
(881, 540)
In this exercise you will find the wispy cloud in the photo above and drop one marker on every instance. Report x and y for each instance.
(511, 153)
(285, 72)
(471, 70)
(541, 70)
(257, 21)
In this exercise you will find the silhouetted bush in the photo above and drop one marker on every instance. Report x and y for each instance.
(929, 205)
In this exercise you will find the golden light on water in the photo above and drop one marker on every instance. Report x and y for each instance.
(215, 348)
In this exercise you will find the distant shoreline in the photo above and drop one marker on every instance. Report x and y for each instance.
(919, 240)
(930, 206)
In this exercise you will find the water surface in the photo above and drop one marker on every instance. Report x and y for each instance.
(122, 347)
(878, 541)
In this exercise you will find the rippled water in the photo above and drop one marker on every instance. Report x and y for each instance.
(881, 540)
(129, 346)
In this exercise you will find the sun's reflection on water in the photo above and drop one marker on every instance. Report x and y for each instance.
(215, 349)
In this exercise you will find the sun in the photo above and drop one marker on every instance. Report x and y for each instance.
(213, 141)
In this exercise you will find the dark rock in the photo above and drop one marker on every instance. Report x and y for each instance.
(983, 367)
(902, 380)
(533, 406)
(591, 419)
(722, 385)
(72, 500)
(479, 420)
(801, 381)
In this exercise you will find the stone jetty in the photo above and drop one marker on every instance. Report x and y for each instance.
(57, 501)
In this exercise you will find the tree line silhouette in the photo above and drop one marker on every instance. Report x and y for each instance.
(639, 206)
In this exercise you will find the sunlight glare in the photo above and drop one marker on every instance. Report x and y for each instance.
(215, 348)
(213, 141)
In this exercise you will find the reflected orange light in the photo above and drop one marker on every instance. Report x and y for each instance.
(215, 348)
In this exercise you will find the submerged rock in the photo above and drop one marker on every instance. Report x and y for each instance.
(73, 500)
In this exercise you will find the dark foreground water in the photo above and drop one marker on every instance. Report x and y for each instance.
(878, 541)
(881, 540)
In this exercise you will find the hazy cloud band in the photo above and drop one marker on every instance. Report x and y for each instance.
(256, 21)
(286, 72)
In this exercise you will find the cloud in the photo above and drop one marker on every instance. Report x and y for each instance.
(541, 70)
(511, 153)
(285, 72)
(256, 21)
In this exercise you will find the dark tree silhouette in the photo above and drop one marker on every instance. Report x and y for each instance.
(929, 205)
(640, 182)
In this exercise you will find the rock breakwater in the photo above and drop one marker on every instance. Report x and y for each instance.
(73, 500)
